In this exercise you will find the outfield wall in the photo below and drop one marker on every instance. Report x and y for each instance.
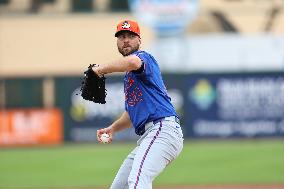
(215, 105)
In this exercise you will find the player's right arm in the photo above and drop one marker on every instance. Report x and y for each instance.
(120, 124)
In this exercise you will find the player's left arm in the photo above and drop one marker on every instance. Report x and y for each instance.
(128, 63)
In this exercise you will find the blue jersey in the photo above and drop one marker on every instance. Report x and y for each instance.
(146, 97)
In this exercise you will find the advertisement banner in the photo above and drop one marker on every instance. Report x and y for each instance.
(31, 126)
(236, 105)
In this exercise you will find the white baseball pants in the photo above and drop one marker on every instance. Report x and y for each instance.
(157, 147)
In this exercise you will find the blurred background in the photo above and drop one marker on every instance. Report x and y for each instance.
(222, 62)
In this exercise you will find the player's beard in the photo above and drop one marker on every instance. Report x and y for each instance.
(127, 50)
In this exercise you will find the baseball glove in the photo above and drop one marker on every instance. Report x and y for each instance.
(93, 86)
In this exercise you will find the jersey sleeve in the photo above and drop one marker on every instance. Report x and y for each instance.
(146, 63)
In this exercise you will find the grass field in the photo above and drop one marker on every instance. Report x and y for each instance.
(92, 165)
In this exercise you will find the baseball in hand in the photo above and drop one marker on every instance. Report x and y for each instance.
(105, 138)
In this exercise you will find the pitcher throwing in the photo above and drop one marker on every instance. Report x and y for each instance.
(148, 109)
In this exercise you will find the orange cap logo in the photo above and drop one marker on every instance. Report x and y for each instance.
(126, 25)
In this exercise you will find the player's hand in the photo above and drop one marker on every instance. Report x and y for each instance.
(108, 131)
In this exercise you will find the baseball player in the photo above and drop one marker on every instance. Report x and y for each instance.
(148, 109)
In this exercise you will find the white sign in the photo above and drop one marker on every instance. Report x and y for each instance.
(166, 17)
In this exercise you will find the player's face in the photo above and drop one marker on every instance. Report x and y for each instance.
(127, 43)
